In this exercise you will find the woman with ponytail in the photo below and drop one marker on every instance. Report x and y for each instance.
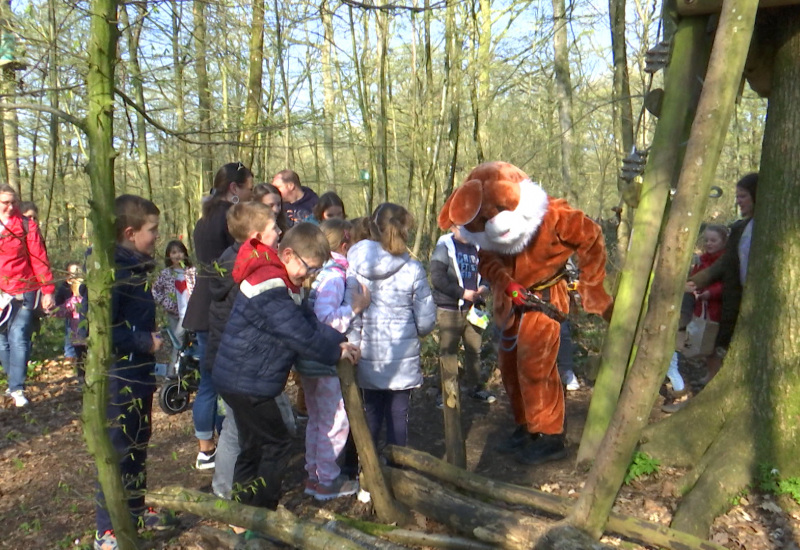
(233, 183)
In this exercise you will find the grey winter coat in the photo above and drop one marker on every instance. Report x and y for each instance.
(401, 311)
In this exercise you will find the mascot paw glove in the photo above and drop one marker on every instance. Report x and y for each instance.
(516, 292)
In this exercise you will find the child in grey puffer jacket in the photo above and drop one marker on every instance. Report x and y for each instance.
(388, 331)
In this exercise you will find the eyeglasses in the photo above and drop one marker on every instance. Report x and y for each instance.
(311, 271)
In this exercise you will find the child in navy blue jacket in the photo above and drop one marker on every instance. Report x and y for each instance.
(267, 331)
(135, 340)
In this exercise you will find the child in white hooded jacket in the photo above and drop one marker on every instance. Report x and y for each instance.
(388, 331)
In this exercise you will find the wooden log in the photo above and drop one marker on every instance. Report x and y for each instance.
(403, 536)
(217, 539)
(456, 449)
(707, 7)
(385, 506)
(282, 525)
(652, 534)
(484, 522)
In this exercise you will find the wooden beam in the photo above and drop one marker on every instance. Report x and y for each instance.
(707, 7)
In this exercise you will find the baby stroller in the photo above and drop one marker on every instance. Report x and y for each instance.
(183, 376)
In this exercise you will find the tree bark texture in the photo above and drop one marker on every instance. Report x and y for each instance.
(653, 534)
(484, 522)
(385, 505)
(255, 71)
(751, 403)
(134, 34)
(686, 67)
(329, 93)
(563, 89)
(657, 343)
(100, 264)
(280, 524)
(203, 95)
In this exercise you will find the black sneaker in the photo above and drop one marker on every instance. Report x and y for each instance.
(541, 449)
(515, 442)
(439, 401)
(483, 395)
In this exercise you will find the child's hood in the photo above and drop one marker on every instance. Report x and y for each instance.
(257, 262)
(370, 260)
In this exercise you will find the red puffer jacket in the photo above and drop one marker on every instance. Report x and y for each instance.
(714, 304)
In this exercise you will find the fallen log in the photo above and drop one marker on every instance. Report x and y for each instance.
(482, 521)
(403, 536)
(217, 539)
(653, 534)
(281, 525)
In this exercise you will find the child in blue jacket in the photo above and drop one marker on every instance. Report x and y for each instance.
(268, 330)
(135, 340)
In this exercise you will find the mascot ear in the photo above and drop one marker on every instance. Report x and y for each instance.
(462, 205)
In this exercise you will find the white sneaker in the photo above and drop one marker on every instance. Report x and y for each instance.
(19, 398)
(571, 381)
(206, 461)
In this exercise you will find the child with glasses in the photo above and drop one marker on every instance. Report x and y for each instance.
(268, 330)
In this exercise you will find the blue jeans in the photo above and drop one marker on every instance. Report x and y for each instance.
(15, 343)
(69, 349)
(204, 410)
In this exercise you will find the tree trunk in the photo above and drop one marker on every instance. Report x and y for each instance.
(10, 129)
(563, 88)
(752, 401)
(189, 196)
(100, 273)
(329, 94)
(482, 29)
(686, 67)
(658, 336)
(382, 31)
(203, 95)
(254, 76)
(134, 33)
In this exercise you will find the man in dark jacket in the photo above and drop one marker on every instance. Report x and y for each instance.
(298, 201)
(266, 332)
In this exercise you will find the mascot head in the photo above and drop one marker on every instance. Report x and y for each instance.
(498, 208)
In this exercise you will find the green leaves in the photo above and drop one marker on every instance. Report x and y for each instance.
(642, 465)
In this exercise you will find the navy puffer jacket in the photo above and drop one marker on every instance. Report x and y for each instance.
(133, 316)
(268, 329)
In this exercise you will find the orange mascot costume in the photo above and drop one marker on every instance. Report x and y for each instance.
(525, 240)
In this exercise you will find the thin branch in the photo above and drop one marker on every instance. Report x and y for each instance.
(392, 7)
(80, 123)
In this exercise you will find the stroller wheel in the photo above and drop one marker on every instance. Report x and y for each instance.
(172, 398)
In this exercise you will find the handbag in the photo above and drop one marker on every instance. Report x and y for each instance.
(701, 334)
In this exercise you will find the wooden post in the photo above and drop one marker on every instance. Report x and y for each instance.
(387, 508)
(456, 450)
(688, 63)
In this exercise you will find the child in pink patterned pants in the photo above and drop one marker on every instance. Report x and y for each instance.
(328, 427)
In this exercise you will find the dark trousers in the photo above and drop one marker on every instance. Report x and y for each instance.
(264, 449)
(391, 406)
(129, 412)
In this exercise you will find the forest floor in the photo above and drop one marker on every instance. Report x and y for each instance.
(47, 476)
